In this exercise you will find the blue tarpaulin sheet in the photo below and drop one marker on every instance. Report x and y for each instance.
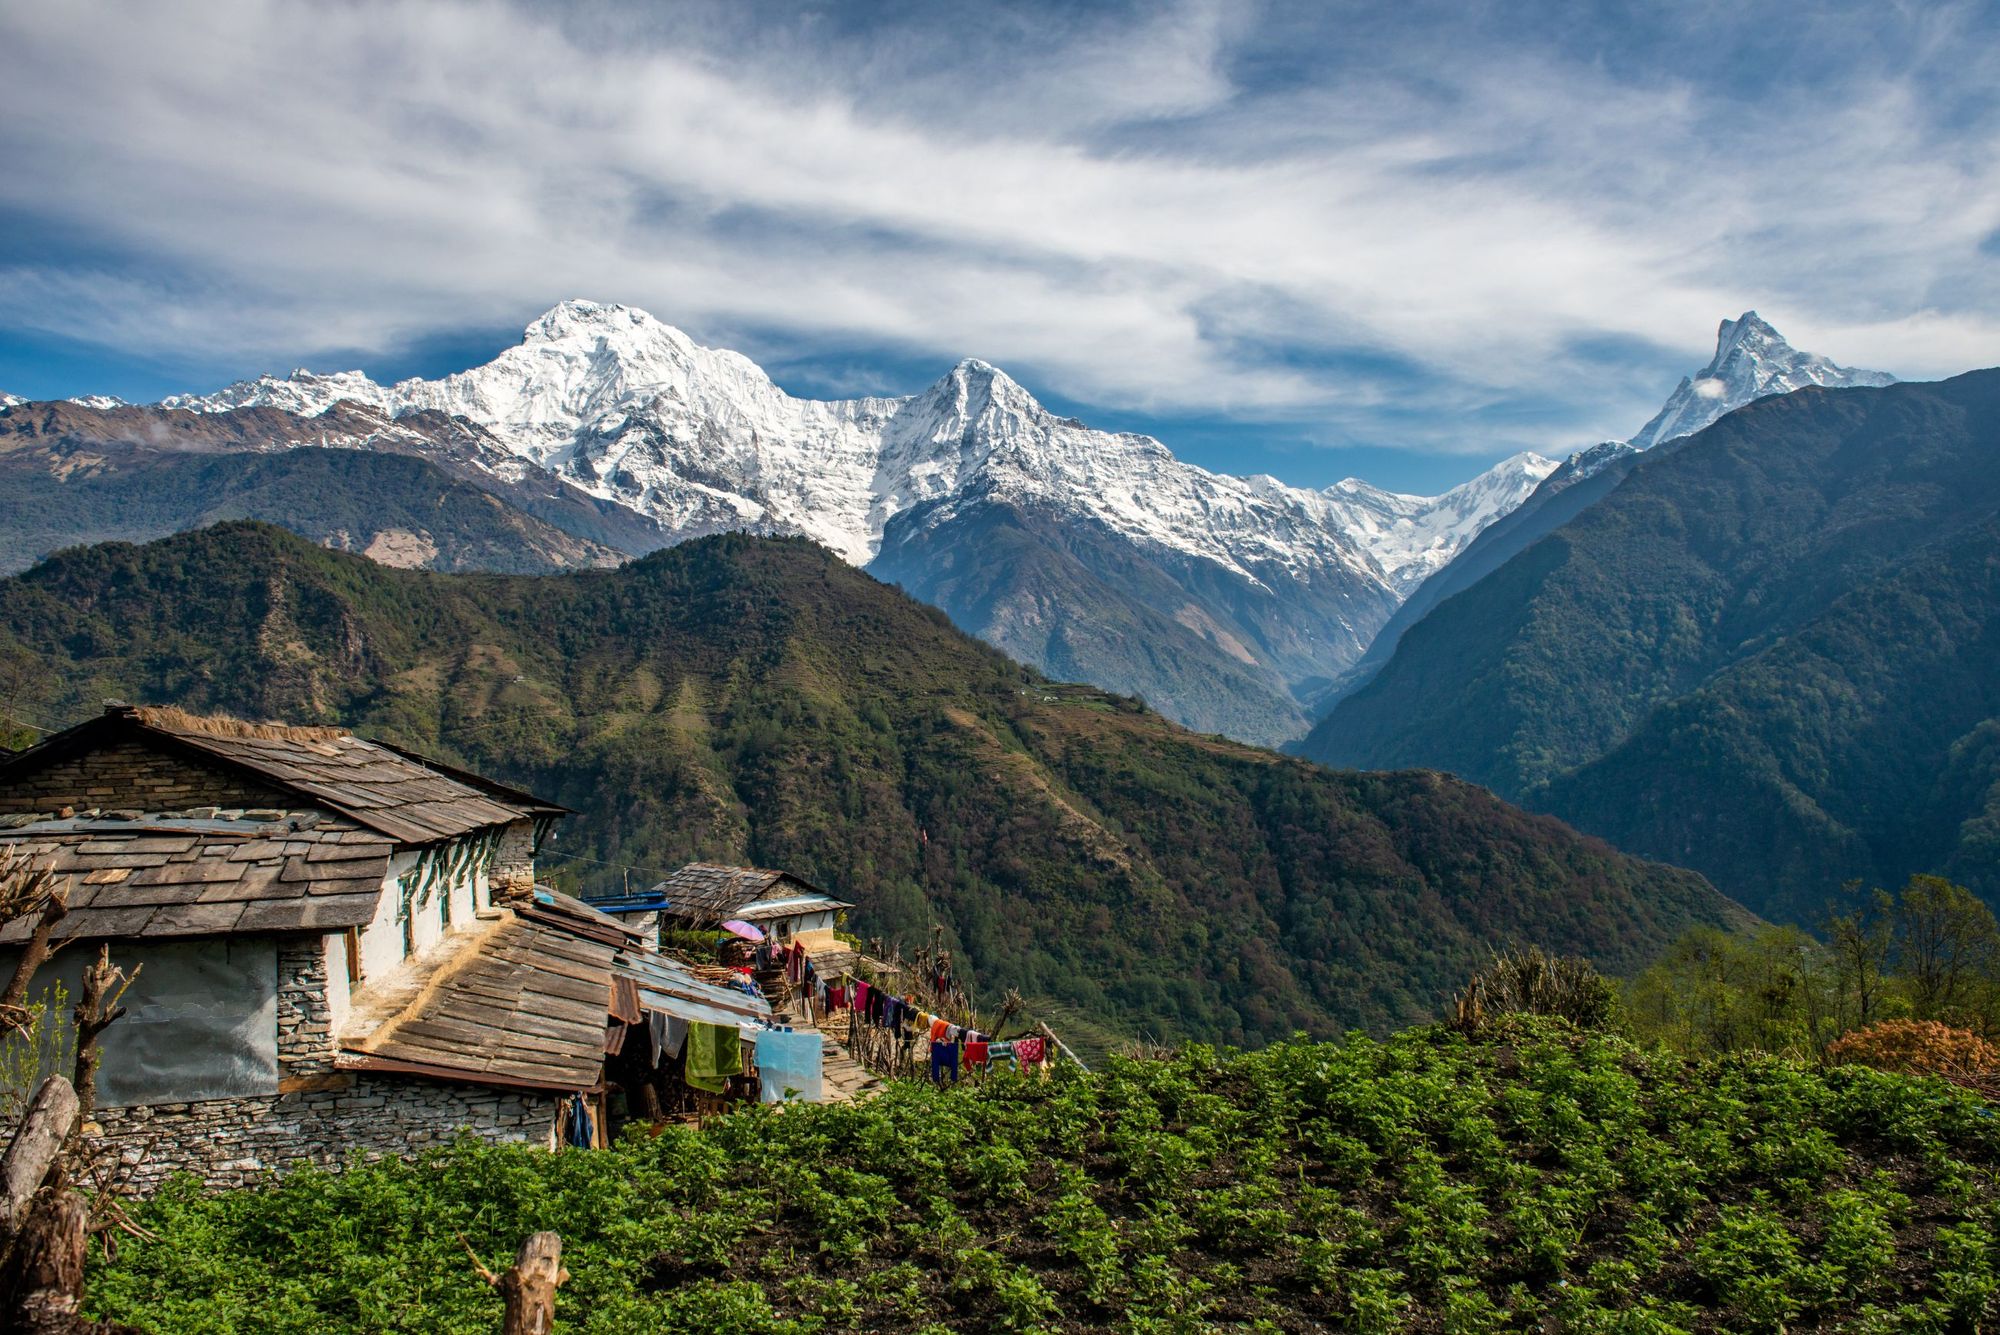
(788, 1064)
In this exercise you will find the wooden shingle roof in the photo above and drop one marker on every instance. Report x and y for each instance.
(523, 1004)
(179, 877)
(386, 789)
(711, 892)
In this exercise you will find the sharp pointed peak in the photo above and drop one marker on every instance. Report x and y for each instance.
(974, 368)
(1748, 327)
(972, 375)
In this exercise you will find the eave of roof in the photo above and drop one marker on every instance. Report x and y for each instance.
(160, 878)
(785, 908)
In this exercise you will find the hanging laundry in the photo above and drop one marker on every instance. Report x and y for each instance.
(714, 1053)
(1031, 1051)
(938, 1029)
(788, 1065)
(975, 1053)
(676, 1036)
(578, 1129)
(944, 1057)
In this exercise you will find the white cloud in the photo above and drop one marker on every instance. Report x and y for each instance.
(1119, 215)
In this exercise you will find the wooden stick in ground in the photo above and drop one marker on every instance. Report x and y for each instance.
(37, 1141)
(1061, 1046)
(529, 1285)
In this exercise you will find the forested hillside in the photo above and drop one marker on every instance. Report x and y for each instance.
(1769, 653)
(1088, 605)
(739, 698)
(398, 509)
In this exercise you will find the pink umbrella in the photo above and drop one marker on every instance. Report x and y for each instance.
(743, 929)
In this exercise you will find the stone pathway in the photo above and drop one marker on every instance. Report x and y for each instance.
(843, 1079)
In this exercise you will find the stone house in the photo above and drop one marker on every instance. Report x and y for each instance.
(786, 907)
(342, 948)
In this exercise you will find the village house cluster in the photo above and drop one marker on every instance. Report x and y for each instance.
(342, 948)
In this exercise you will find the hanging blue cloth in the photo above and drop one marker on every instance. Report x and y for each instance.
(788, 1065)
(577, 1127)
(944, 1057)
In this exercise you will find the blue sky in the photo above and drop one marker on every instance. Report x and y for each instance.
(1311, 240)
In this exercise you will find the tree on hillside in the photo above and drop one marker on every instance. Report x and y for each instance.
(1930, 954)
(1947, 952)
(1862, 943)
(1773, 990)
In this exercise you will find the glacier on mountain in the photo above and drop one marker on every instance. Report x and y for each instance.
(700, 439)
(1235, 604)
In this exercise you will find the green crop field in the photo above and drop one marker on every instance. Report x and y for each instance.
(1543, 1179)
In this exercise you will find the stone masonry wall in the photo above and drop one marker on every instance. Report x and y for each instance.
(232, 1142)
(319, 1115)
(130, 776)
(513, 876)
(305, 1018)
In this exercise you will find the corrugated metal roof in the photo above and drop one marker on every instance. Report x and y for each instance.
(785, 908)
(665, 984)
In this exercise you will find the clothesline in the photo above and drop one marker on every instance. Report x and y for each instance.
(952, 1046)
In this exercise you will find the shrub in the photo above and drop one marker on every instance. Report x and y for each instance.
(1915, 1047)
(1534, 982)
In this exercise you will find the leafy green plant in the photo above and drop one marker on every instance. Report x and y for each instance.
(1554, 1179)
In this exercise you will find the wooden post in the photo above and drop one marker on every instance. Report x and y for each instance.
(530, 1284)
(1061, 1046)
(43, 1285)
(38, 1139)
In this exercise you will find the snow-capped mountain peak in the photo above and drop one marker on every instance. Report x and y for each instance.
(635, 411)
(1752, 360)
(1413, 537)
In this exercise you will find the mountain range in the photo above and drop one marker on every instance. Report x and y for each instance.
(1767, 652)
(1752, 361)
(757, 699)
(1234, 605)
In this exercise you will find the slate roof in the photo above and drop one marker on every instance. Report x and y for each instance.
(710, 892)
(391, 791)
(523, 1004)
(170, 876)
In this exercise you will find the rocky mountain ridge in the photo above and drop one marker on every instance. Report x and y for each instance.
(1752, 361)
(1259, 589)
